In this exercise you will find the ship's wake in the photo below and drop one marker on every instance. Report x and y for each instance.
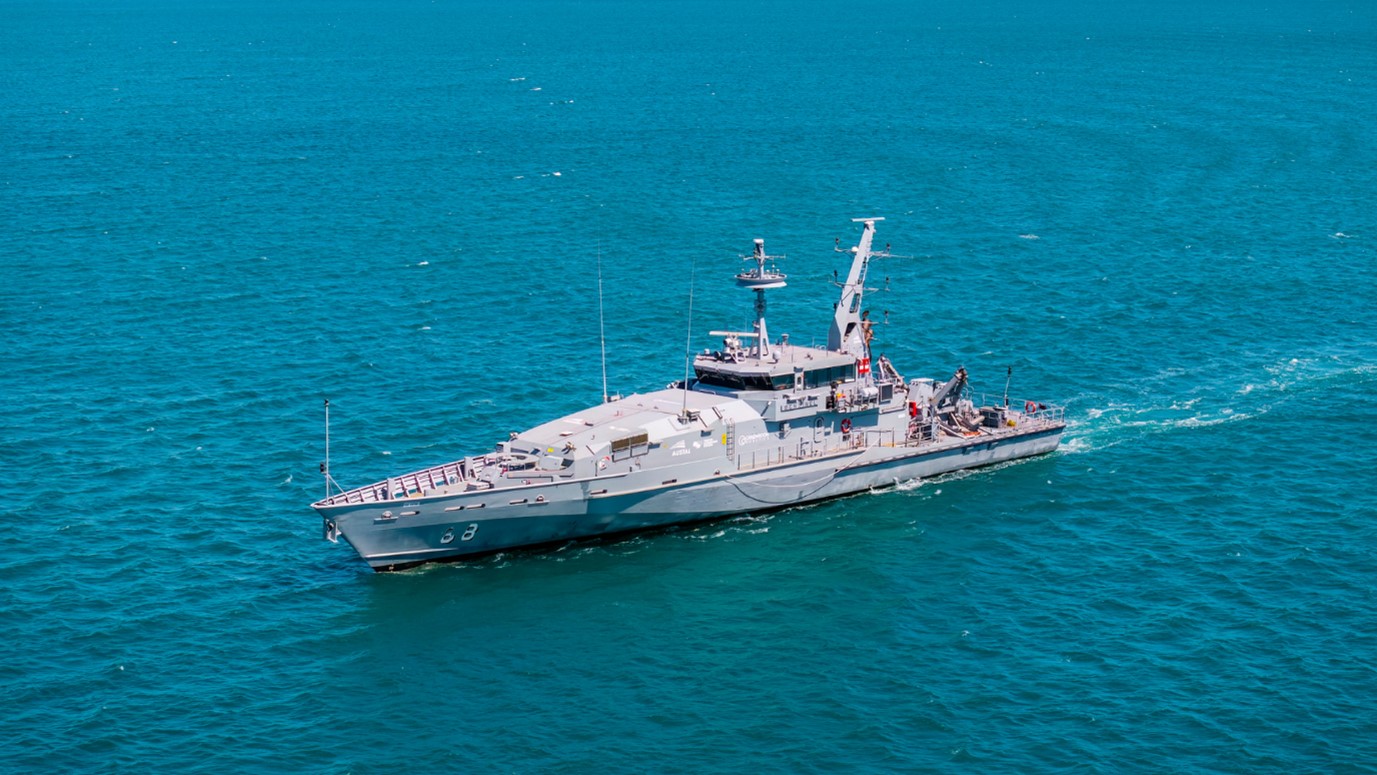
(1153, 409)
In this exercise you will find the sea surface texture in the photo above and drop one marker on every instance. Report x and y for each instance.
(214, 216)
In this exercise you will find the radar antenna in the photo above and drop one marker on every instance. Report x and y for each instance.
(759, 280)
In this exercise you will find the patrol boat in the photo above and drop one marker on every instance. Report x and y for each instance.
(761, 425)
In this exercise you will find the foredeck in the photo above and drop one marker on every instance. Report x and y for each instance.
(448, 478)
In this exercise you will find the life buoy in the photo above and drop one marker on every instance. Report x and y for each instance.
(1030, 407)
(846, 426)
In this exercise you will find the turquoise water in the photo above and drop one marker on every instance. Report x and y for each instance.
(216, 215)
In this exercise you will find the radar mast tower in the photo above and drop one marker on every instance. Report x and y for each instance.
(759, 280)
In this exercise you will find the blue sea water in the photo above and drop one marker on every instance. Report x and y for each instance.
(214, 215)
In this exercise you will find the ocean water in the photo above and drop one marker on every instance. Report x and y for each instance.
(215, 215)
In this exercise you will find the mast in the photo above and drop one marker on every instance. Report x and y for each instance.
(325, 467)
(602, 331)
(846, 334)
(688, 342)
(759, 280)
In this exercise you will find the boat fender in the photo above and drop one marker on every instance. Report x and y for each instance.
(846, 425)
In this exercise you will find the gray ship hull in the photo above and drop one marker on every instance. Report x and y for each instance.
(448, 528)
(762, 425)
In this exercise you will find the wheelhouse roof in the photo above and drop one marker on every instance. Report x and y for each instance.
(789, 357)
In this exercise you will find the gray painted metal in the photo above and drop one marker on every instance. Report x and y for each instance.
(758, 428)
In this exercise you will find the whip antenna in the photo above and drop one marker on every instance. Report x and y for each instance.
(325, 467)
(602, 332)
(688, 338)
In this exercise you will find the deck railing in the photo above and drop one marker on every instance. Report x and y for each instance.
(1034, 411)
(806, 450)
(412, 485)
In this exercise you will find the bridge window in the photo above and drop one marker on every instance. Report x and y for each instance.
(744, 381)
(823, 377)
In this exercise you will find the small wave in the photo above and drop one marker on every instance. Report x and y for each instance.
(751, 518)
(1206, 422)
(1029, 236)
(1077, 445)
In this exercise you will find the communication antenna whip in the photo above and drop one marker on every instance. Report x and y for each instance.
(688, 338)
(602, 331)
(325, 467)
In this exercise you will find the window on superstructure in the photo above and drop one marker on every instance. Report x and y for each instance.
(824, 377)
(741, 381)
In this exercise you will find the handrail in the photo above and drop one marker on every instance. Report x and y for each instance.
(775, 456)
(1052, 413)
(412, 485)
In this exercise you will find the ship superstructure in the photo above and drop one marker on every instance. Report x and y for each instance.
(760, 425)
